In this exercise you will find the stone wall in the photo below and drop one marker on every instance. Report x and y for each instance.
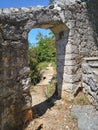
(14, 78)
(82, 41)
(75, 27)
(90, 79)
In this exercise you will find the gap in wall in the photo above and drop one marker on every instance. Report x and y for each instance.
(42, 55)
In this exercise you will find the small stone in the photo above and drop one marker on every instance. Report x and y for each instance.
(6, 11)
(67, 128)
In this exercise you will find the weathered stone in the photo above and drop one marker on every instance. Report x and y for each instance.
(71, 56)
(87, 117)
(72, 78)
(72, 49)
(68, 87)
(71, 69)
(71, 24)
(61, 45)
(6, 11)
(90, 78)
(75, 25)
(0, 11)
(71, 62)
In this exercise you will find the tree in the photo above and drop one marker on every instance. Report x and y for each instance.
(34, 70)
(44, 52)
(39, 36)
(46, 49)
(30, 44)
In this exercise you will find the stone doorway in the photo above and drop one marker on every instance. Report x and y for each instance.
(61, 33)
(14, 28)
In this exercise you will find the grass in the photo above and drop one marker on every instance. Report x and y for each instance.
(81, 99)
(74, 117)
(43, 65)
(53, 64)
(31, 88)
(50, 89)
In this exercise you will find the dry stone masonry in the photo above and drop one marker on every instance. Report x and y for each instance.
(90, 78)
(75, 25)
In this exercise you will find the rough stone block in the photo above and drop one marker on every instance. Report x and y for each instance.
(71, 69)
(71, 56)
(72, 78)
(90, 78)
(6, 11)
(69, 24)
(72, 49)
(70, 89)
(86, 116)
(71, 62)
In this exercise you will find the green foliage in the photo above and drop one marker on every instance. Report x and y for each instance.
(50, 89)
(39, 36)
(46, 49)
(43, 65)
(34, 70)
(41, 55)
(74, 117)
(82, 100)
(30, 44)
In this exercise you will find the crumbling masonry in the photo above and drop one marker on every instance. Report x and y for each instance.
(75, 25)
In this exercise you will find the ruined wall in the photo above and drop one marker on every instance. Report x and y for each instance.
(14, 73)
(75, 27)
(89, 53)
(82, 41)
(90, 79)
(15, 24)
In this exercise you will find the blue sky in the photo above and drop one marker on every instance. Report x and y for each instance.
(33, 33)
(23, 3)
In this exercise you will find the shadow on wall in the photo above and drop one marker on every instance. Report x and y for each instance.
(92, 6)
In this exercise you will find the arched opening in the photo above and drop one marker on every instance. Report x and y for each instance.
(42, 55)
(60, 32)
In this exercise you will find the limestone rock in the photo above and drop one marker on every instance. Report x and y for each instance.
(75, 26)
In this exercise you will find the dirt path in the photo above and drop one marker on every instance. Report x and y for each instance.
(47, 75)
(50, 114)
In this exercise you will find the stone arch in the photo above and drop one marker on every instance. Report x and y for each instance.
(68, 21)
(61, 32)
(14, 27)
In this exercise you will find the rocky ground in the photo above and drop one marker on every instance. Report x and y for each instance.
(87, 117)
(54, 114)
(51, 114)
